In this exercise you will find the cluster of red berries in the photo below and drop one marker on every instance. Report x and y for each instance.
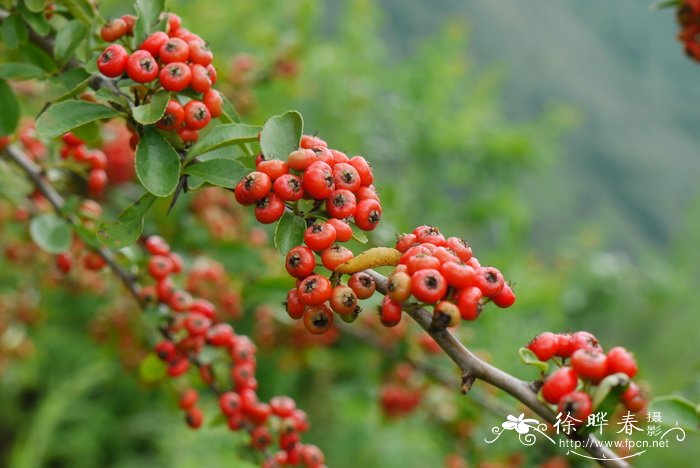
(340, 186)
(400, 395)
(583, 362)
(192, 326)
(75, 148)
(688, 16)
(444, 273)
(178, 59)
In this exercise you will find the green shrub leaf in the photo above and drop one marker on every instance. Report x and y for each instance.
(220, 172)
(129, 225)
(281, 135)
(51, 233)
(157, 163)
(67, 115)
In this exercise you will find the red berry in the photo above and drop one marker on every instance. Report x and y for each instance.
(200, 53)
(398, 286)
(319, 236)
(334, 256)
(201, 82)
(363, 169)
(142, 67)
(301, 159)
(97, 181)
(429, 235)
(156, 245)
(343, 230)
(458, 275)
(214, 102)
(314, 290)
(300, 261)
(428, 285)
(341, 204)
(64, 261)
(282, 406)
(505, 298)
(576, 404)
(489, 280)
(188, 135)
(295, 308)
(269, 209)
(460, 247)
(343, 300)
(113, 30)
(159, 266)
(256, 185)
(197, 115)
(346, 177)
(230, 403)
(590, 364)
(174, 22)
(368, 214)
(446, 314)
(130, 21)
(621, 360)
(421, 261)
(405, 241)
(173, 117)
(390, 312)
(113, 61)
(362, 284)
(288, 187)
(154, 42)
(166, 350)
(469, 302)
(188, 399)
(175, 76)
(318, 183)
(174, 50)
(544, 346)
(318, 318)
(94, 261)
(582, 340)
(194, 417)
(558, 384)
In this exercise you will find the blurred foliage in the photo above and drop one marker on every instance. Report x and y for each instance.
(445, 152)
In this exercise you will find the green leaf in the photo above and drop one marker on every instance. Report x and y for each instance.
(228, 111)
(67, 40)
(67, 84)
(148, 12)
(281, 135)
(609, 390)
(51, 233)
(80, 9)
(129, 225)
(219, 172)
(529, 358)
(87, 236)
(89, 133)
(13, 186)
(677, 410)
(224, 135)
(9, 109)
(64, 116)
(35, 6)
(152, 369)
(35, 19)
(157, 163)
(153, 111)
(358, 234)
(289, 232)
(14, 31)
(20, 71)
(38, 57)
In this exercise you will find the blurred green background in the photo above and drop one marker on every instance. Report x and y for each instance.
(559, 138)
